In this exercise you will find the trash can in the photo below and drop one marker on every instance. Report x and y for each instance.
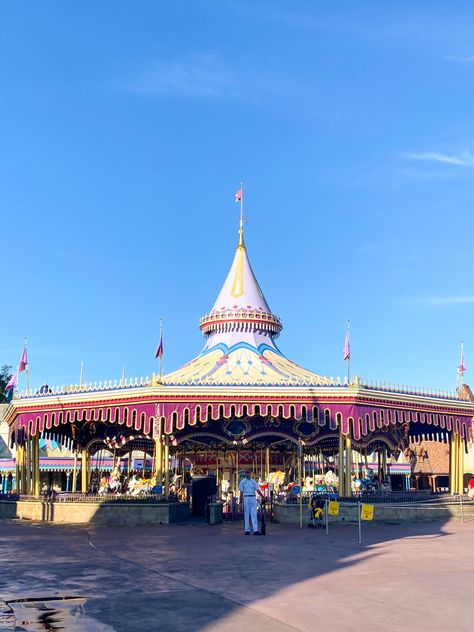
(215, 513)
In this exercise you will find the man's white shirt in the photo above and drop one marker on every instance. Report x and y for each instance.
(248, 486)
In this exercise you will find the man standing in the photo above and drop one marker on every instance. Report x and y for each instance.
(248, 487)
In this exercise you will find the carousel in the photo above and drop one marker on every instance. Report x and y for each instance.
(240, 404)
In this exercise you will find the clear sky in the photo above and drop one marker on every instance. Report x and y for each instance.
(126, 127)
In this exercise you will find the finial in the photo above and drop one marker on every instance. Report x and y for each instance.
(239, 198)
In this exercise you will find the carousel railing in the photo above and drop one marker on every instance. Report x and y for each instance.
(9, 496)
(389, 497)
(77, 497)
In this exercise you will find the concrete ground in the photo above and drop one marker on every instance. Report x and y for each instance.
(199, 577)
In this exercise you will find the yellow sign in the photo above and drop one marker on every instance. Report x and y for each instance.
(333, 508)
(366, 512)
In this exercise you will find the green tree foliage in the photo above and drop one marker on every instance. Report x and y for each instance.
(5, 375)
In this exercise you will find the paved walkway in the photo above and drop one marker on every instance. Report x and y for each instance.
(196, 577)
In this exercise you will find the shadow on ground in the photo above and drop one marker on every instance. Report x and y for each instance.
(197, 577)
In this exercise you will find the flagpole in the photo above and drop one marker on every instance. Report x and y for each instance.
(461, 369)
(81, 375)
(349, 357)
(242, 206)
(27, 371)
(123, 376)
(161, 354)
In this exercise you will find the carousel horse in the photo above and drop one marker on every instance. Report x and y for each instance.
(139, 486)
(103, 486)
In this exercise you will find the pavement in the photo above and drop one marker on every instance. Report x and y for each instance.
(191, 577)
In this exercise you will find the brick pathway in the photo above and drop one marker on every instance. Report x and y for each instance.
(196, 577)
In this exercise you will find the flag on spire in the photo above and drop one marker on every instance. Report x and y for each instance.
(159, 350)
(462, 367)
(238, 195)
(23, 360)
(347, 344)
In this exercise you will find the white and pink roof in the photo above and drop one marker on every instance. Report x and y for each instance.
(240, 331)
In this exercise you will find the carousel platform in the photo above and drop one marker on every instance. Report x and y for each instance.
(109, 511)
(388, 510)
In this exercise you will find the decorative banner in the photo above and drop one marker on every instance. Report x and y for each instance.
(333, 508)
(366, 512)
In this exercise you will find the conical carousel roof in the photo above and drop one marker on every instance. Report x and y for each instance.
(240, 330)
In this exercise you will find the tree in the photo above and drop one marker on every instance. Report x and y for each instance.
(5, 375)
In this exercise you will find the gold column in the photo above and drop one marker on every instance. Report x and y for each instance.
(38, 474)
(158, 456)
(29, 462)
(341, 463)
(300, 477)
(19, 472)
(453, 465)
(23, 468)
(74, 473)
(348, 477)
(166, 454)
(17, 468)
(35, 466)
(84, 471)
(460, 465)
(267, 463)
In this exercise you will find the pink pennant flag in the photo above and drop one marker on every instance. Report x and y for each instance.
(12, 382)
(462, 367)
(23, 361)
(238, 195)
(347, 345)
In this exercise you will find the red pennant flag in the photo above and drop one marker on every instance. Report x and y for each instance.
(159, 351)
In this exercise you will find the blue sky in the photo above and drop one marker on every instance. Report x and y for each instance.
(126, 128)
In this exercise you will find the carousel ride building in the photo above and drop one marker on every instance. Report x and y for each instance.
(240, 404)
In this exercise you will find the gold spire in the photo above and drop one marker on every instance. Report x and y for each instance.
(241, 243)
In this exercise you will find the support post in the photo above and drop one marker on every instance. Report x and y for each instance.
(300, 472)
(23, 469)
(17, 469)
(74, 472)
(460, 464)
(158, 454)
(341, 464)
(35, 466)
(167, 467)
(359, 520)
(267, 463)
(384, 465)
(348, 477)
(29, 463)
(84, 471)
(453, 463)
